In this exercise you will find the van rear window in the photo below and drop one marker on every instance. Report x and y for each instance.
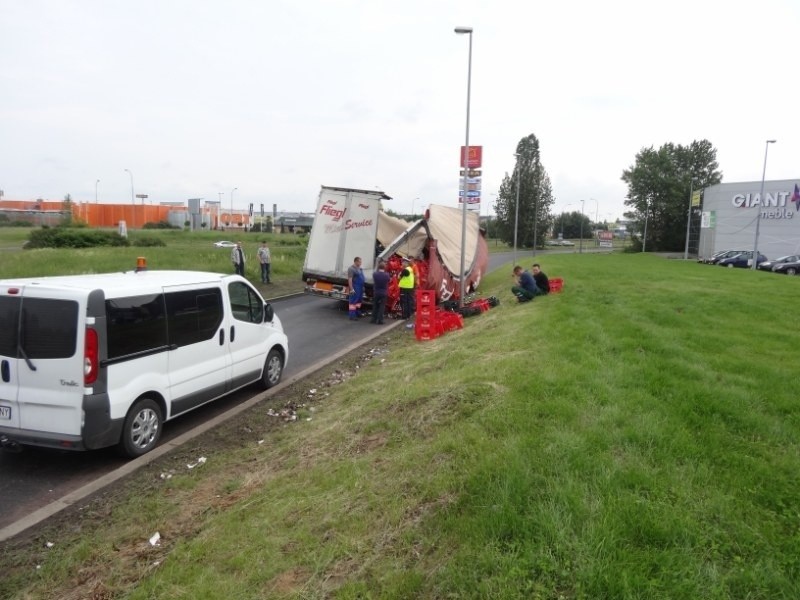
(47, 328)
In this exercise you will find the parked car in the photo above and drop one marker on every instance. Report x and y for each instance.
(743, 260)
(707, 259)
(567, 243)
(715, 258)
(769, 264)
(225, 244)
(787, 268)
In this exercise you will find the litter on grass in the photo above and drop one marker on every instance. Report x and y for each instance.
(200, 461)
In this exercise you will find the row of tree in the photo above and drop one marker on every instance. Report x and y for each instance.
(660, 183)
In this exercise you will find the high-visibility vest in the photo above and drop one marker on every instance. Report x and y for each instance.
(407, 282)
(416, 272)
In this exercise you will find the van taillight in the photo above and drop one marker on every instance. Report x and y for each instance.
(90, 357)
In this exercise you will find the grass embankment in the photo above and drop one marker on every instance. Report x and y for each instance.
(182, 250)
(637, 436)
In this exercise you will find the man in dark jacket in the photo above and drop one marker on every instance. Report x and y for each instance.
(380, 291)
(542, 283)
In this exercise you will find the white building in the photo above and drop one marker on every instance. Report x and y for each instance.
(730, 212)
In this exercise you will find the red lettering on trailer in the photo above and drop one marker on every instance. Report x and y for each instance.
(335, 214)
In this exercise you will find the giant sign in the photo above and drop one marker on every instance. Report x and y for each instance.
(774, 205)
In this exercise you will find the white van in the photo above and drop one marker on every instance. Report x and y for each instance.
(89, 361)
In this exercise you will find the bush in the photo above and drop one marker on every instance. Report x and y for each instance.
(147, 242)
(6, 222)
(65, 237)
(159, 225)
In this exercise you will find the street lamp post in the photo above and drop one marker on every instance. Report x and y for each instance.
(95, 190)
(596, 218)
(581, 242)
(233, 190)
(760, 205)
(646, 214)
(516, 210)
(467, 30)
(133, 201)
(688, 219)
(562, 220)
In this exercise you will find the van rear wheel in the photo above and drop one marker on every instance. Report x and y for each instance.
(273, 369)
(142, 428)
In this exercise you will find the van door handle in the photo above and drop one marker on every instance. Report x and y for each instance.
(5, 369)
(221, 336)
(233, 333)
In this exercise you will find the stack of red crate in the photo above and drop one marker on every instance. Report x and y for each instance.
(425, 327)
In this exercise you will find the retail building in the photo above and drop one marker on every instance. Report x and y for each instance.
(731, 211)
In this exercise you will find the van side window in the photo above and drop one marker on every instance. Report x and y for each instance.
(9, 325)
(194, 315)
(246, 304)
(49, 328)
(135, 324)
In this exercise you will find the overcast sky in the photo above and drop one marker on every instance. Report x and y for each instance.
(275, 98)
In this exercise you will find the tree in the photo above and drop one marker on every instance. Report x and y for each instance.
(659, 183)
(569, 224)
(66, 211)
(535, 198)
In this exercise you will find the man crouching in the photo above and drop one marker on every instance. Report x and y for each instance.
(526, 289)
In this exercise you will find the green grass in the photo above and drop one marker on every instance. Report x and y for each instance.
(636, 436)
(183, 250)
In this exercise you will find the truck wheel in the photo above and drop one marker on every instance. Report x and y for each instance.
(142, 428)
(273, 369)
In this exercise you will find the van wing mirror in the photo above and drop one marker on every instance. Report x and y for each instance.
(269, 313)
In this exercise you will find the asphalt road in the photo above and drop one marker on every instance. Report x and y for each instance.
(317, 329)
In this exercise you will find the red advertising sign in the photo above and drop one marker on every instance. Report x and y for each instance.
(474, 157)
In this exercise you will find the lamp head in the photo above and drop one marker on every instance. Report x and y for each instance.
(771, 141)
(463, 30)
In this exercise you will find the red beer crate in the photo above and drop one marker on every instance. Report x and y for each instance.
(426, 298)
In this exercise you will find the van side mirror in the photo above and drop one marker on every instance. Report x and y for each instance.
(269, 313)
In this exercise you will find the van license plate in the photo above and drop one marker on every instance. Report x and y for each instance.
(5, 413)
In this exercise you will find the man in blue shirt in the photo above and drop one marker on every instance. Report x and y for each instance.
(380, 291)
(526, 289)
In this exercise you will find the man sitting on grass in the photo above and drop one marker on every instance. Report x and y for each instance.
(525, 290)
(542, 282)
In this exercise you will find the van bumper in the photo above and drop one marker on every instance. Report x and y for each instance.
(11, 436)
(99, 430)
